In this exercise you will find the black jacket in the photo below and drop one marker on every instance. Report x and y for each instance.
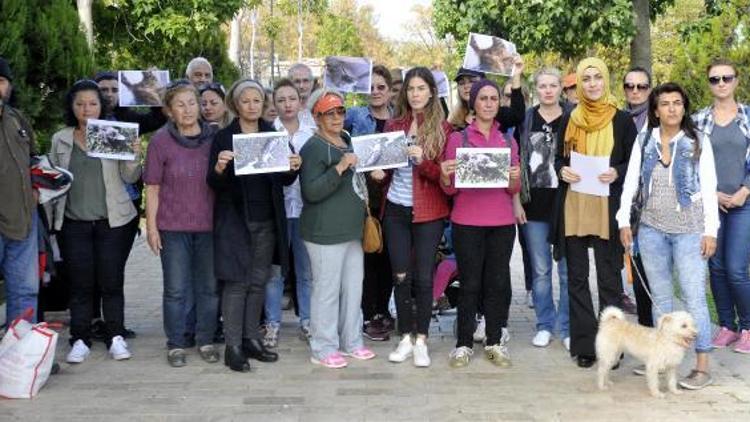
(624, 134)
(147, 122)
(231, 236)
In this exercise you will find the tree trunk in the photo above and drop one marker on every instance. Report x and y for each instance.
(254, 24)
(85, 16)
(234, 39)
(300, 30)
(640, 46)
(273, 49)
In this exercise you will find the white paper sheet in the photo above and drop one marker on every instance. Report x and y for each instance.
(589, 168)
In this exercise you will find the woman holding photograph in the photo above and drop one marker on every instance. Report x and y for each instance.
(213, 109)
(483, 231)
(249, 228)
(595, 128)
(414, 211)
(179, 221)
(92, 219)
(331, 223)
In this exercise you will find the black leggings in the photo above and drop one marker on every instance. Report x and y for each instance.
(412, 248)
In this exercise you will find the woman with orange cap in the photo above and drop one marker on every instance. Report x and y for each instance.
(594, 128)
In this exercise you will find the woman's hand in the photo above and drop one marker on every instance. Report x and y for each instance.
(416, 153)
(738, 198)
(626, 238)
(377, 175)
(518, 210)
(518, 66)
(447, 168)
(515, 174)
(221, 163)
(295, 162)
(608, 176)
(136, 147)
(569, 176)
(154, 241)
(347, 161)
(708, 247)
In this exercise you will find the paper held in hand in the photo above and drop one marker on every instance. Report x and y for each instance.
(266, 152)
(589, 168)
(380, 151)
(482, 167)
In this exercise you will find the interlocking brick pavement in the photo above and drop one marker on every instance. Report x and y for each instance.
(543, 384)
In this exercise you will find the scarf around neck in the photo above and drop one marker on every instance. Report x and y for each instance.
(639, 114)
(192, 142)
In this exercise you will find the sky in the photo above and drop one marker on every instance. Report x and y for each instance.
(392, 15)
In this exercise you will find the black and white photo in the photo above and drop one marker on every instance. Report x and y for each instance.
(482, 167)
(142, 88)
(348, 74)
(110, 139)
(255, 153)
(485, 53)
(441, 80)
(380, 151)
(542, 160)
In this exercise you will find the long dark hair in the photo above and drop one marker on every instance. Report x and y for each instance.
(430, 134)
(82, 85)
(686, 124)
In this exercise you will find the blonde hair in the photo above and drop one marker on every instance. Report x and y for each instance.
(170, 93)
(236, 89)
(430, 134)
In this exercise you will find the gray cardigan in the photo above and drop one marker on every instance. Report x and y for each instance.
(120, 208)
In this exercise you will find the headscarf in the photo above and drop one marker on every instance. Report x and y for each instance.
(478, 85)
(589, 131)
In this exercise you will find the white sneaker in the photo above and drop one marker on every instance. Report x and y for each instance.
(403, 351)
(542, 338)
(480, 334)
(79, 352)
(529, 299)
(566, 343)
(119, 349)
(421, 354)
(498, 355)
(504, 336)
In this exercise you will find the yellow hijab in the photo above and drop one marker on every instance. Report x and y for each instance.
(589, 131)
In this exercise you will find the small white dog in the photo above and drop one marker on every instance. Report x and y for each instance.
(661, 348)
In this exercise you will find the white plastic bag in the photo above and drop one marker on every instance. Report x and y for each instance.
(27, 352)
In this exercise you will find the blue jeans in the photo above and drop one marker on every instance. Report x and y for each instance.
(730, 283)
(661, 253)
(187, 261)
(303, 272)
(535, 234)
(19, 264)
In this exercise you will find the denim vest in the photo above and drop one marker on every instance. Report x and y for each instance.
(684, 166)
(359, 121)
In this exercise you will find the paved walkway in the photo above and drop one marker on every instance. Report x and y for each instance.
(543, 384)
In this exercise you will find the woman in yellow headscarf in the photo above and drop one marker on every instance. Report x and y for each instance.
(594, 128)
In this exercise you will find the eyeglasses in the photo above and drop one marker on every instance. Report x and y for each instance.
(383, 87)
(714, 80)
(338, 111)
(627, 86)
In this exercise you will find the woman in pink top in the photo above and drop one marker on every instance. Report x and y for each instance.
(483, 230)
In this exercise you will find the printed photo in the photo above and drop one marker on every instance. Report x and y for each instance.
(542, 160)
(348, 74)
(260, 153)
(142, 88)
(482, 167)
(441, 80)
(489, 54)
(380, 151)
(109, 139)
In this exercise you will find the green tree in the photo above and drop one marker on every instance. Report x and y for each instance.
(47, 52)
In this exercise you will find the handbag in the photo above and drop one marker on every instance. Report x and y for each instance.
(639, 200)
(372, 236)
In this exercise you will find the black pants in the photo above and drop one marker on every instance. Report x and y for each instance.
(527, 270)
(412, 248)
(642, 301)
(93, 253)
(483, 258)
(378, 284)
(583, 318)
(134, 228)
(242, 301)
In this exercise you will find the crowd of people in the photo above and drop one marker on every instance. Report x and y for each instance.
(229, 243)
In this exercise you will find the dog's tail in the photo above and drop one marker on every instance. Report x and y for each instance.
(610, 313)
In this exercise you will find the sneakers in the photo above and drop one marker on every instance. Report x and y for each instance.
(375, 331)
(743, 346)
(641, 370)
(696, 380)
(333, 361)
(403, 351)
(480, 333)
(724, 338)
(208, 353)
(460, 357)
(119, 349)
(361, 353)
(504, 336)
(271, 338)
(78, 353)
(176, 358)
(421, 354)
(498, 354)
(529, 299)
(304, 331)
(542, 338)
(566, 343)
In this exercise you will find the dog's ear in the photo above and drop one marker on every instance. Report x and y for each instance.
(664, 319)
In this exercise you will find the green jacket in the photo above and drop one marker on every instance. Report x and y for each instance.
(334, 208)
(16, 148)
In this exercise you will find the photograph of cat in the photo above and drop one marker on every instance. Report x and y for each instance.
(260, 153)
(485, 53)
(348, 74)
(142, 88)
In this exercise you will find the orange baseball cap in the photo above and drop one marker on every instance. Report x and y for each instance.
(327, 102)
(569, 81)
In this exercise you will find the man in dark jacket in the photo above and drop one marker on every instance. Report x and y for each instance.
(19, 247)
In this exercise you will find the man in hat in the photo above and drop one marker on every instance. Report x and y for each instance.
(19, 245)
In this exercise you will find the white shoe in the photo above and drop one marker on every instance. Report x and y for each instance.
(542, 338)
(566, 343)
(421, 355)
(403, 351)
(480, 334)
(119, 349)
(504, 336)
(529, 299)
(79, 352)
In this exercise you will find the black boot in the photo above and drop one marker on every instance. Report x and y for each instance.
(235, 359)
(254, 349)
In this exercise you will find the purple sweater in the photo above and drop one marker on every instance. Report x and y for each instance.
(488, 206)
(186, 203)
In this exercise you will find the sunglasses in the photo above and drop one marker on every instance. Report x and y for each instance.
(379, 87)
(627, 86)
(714, 80)
(338, 111)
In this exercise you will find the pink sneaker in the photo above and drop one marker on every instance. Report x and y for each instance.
(724, 338)
(743, 346)
(362, 353)
(333, 361)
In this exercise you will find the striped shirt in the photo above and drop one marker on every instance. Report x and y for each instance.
(400, 191)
